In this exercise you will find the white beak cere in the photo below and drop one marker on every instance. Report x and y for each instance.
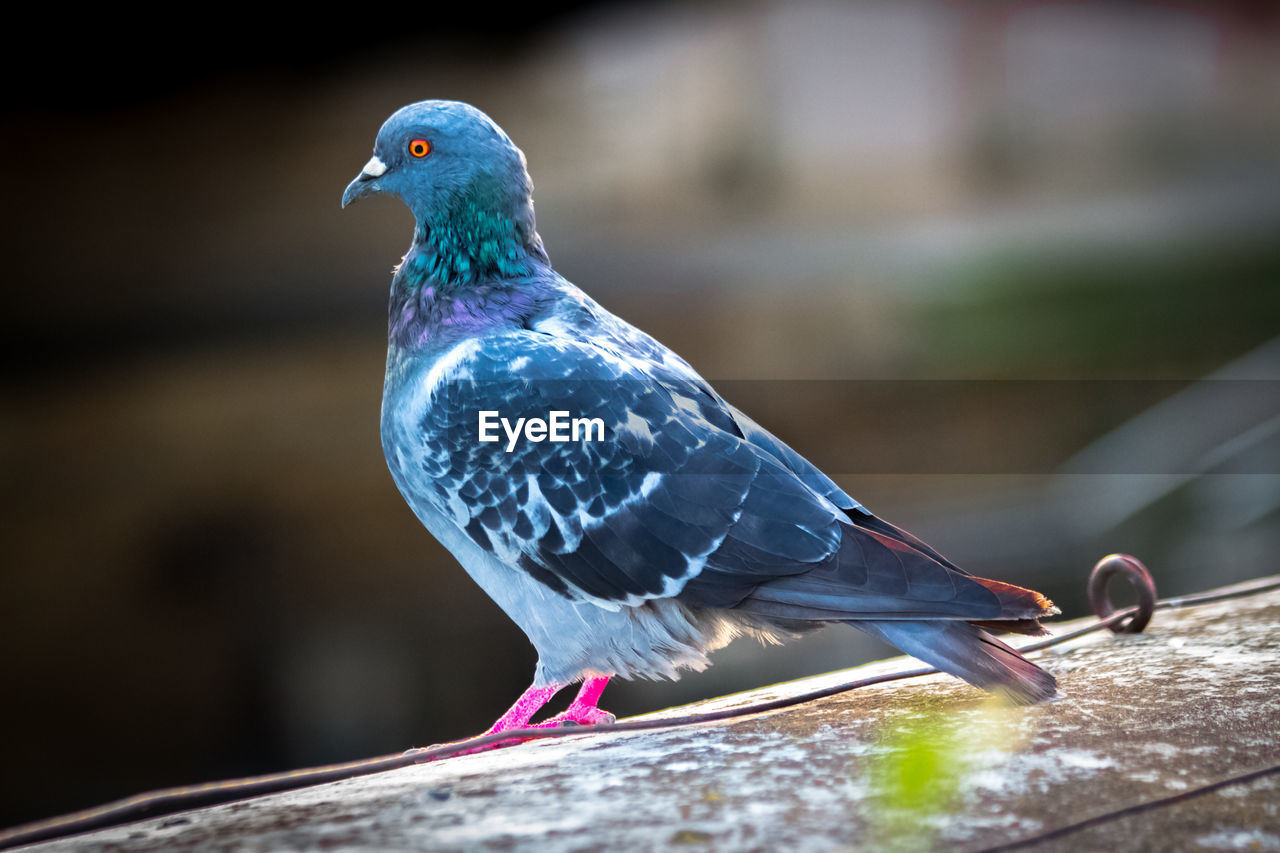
(374, 167)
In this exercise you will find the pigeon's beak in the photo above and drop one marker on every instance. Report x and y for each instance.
(366, 183)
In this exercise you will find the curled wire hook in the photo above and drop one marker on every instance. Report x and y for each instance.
(1139, 578)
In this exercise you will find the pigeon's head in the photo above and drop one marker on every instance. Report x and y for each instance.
(461, 176)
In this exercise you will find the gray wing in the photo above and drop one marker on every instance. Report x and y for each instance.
(672, 488)
(681, 498)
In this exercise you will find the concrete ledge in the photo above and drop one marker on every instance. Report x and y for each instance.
(1193, 700)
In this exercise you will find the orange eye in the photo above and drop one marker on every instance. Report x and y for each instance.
(419, 148)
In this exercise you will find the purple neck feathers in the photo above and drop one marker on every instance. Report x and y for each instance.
(424, 314)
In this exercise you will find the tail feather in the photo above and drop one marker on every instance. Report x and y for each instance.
(889, 583)
(968, 652)
(1017, 601)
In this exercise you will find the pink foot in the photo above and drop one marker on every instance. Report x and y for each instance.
(582, 711)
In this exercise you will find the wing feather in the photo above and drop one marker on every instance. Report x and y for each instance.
(685, 496)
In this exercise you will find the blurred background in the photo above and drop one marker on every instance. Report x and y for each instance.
(1009, 271)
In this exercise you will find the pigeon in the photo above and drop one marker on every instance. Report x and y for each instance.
(610, 501)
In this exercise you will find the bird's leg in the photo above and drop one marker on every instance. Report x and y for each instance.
(516, 717)
(529, 703)
(582, 710)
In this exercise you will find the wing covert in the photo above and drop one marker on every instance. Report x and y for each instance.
(620, 520)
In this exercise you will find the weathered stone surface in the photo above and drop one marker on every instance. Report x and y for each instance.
(1194, 700)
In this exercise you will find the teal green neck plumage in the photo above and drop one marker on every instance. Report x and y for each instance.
(471, 268)
(475, 237)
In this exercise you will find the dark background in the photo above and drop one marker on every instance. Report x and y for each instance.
(976, 260)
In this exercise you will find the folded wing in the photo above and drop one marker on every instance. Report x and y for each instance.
(684, 498)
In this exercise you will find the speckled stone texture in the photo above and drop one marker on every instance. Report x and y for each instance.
(1193, 700)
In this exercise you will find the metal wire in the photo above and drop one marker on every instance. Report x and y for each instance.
(169, 800)
(1129, 811)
